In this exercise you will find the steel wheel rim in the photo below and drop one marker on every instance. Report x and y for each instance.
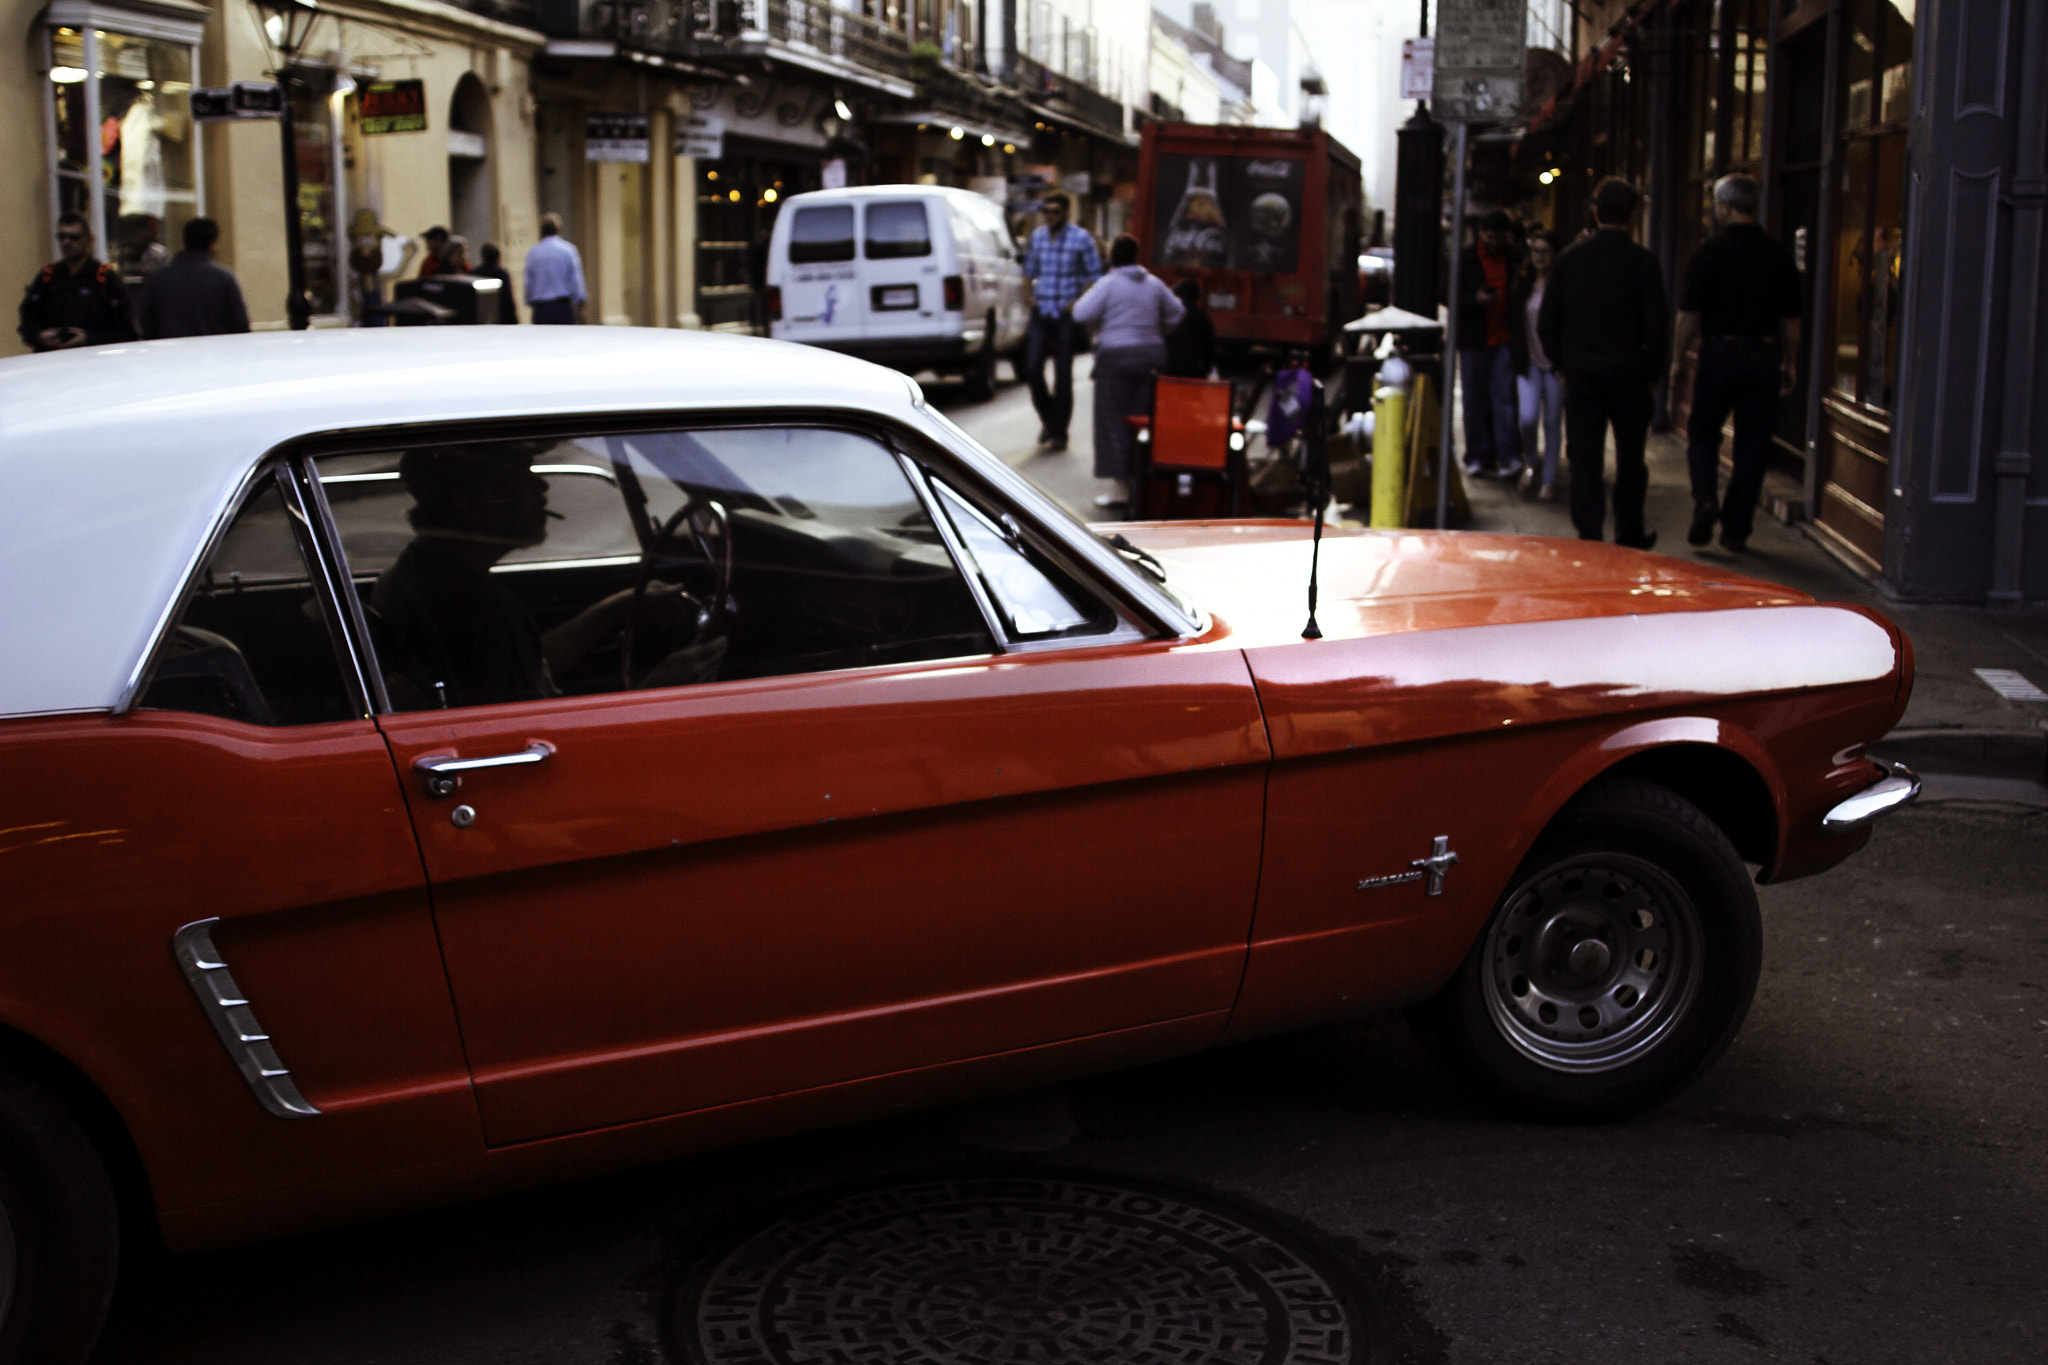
(1592, 962)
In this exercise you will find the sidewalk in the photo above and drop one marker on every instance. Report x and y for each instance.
(1955, 725)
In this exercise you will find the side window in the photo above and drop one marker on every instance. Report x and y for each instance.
(254, 642)
(497, 571)
(821, 234)
(1034, 598)
(897, 230)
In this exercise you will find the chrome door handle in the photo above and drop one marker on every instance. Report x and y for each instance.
(439, 775)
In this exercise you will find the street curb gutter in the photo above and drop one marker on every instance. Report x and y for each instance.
(1969, 753)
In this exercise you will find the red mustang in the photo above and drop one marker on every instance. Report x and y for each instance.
(435, 770)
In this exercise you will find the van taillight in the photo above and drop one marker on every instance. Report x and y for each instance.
(774, 303)
(956, 293)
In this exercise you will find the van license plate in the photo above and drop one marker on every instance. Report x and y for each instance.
(895, 296)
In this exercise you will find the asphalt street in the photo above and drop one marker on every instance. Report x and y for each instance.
(1860, 1179)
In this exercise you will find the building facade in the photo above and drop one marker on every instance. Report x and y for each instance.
(665, 133)
(1901, 148)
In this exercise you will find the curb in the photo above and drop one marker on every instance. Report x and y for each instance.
(2013, 754)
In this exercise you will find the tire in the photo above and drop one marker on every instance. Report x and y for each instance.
(981, 376)
(1616, 969)
(59, 1230)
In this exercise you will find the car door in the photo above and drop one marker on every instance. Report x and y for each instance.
(822, 824)
(216, 906)
(901, 278)
(822, 302)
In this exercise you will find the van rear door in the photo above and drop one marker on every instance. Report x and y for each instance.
(901, 279)
(822, 302)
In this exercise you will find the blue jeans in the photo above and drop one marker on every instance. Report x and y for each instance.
(1054, 336)
(1542, 393)
(1493, 430)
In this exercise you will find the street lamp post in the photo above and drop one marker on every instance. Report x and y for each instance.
(289, 25)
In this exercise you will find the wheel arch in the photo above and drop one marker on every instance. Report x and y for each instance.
(94, 1112)
(1718, 767)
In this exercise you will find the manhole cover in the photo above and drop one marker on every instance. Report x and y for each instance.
(1005, 1270)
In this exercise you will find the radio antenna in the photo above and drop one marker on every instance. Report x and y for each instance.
(1315, 449)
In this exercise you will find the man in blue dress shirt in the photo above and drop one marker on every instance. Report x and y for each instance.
(1061, 262)
(554, 275)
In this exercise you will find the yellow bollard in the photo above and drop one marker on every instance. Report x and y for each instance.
(1389, 455)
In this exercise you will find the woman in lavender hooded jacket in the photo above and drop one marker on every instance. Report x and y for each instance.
(1130, 311)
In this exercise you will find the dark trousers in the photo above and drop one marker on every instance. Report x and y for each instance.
(1052, 336)
(558, 311)
(1591, 401)
(1493, 420)
(1738, 376)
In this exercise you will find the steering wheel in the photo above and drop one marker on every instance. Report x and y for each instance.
(702, 524)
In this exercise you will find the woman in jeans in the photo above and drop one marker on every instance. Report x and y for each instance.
(1539, 385)
(1130, 311)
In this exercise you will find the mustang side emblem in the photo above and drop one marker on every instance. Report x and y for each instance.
(1432, 869)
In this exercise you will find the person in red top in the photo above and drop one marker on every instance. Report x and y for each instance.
(1486, 369)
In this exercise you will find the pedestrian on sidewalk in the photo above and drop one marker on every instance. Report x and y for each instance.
(1486, 367)
(493, 268)
(1742, 301)
(1061, 262)
(1191, 346)
(1537, 382)
(194, 295)
(1605, 323)
(77, 299)
(436, 241)
(554, 276)
(1130, 310)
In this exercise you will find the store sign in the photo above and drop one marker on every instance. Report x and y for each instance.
(702, 135)
(392, 107)
(242, 100)
(1418, 68)
(1480, 60)
(615, 137)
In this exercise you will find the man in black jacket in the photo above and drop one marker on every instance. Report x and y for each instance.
(1742, 299)
(1606, 325)
(194, 295)
(77, 299)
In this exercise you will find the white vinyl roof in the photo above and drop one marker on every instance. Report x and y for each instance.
(117, 461)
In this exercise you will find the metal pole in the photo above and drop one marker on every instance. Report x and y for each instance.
(296, 310)
(1820, 264)
(1443, 453)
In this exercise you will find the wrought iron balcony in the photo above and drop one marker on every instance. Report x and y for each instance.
(808, 32)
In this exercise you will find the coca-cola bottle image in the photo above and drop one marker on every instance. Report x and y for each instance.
(1196, 235)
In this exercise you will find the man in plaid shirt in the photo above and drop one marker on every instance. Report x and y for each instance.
(1061, 262)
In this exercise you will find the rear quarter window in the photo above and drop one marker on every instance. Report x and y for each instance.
(821, 234)
(898, 230)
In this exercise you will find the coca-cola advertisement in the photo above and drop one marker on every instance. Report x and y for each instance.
(1229, 212)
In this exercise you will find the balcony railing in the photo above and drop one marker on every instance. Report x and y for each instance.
(700, 28)
(1037, 81)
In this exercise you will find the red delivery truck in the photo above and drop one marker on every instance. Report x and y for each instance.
(1267, 220)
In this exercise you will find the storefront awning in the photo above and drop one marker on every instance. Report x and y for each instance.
(1598, 59)
(1074, 124)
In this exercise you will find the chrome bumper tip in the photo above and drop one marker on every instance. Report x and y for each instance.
(1880, 798)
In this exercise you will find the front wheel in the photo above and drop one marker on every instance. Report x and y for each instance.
(59, 1231)
(1617, 967)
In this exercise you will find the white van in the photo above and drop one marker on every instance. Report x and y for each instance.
(915, 277)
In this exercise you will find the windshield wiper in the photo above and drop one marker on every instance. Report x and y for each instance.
(1142, 558)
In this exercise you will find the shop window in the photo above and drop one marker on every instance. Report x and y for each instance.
(127, 153)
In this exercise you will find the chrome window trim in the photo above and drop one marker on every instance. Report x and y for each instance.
(356, 625)
(951, 539)
(1149, 600)
(291, 478)
(248, 1046)
(223, 517)
(1124, 632)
